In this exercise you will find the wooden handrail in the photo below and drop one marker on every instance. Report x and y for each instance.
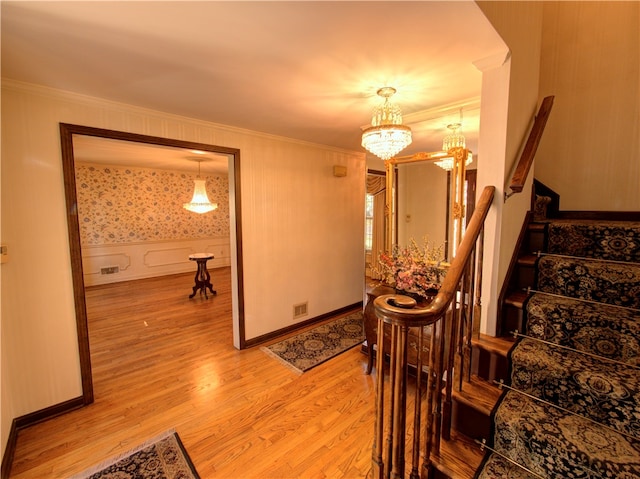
(528, 154)
(445, 323)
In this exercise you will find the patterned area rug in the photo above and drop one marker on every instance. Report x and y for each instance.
(163, 457)
(311, 348)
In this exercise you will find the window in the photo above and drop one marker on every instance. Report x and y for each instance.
(368, 223)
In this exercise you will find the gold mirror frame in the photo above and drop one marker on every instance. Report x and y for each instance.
(456, 206)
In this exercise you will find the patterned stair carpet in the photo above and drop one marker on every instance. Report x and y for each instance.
(585, 326)
(553, 444)
(590, 279)
(572, 409)
(613, 240)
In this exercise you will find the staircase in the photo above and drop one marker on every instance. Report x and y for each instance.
(571, 404)
(561, 398)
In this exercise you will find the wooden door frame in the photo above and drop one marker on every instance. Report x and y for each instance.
(67, 131)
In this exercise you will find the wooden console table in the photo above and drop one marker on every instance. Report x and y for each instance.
(202, 278)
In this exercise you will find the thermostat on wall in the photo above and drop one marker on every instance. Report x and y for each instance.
(339, 170)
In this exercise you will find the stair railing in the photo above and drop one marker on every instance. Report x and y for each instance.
(450, 318)
(528, 154)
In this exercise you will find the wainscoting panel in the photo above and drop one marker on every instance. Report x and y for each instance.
(124, 262)
(165, 257)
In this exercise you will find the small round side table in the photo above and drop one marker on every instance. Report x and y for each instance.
(202, 278)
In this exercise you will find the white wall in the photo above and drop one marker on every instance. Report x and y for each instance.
(590, 153)
(422, 203)
(509, 102)
(302, 233)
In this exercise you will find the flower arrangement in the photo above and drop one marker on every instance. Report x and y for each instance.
(413, 269)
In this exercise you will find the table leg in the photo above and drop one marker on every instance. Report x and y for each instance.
(202, 280)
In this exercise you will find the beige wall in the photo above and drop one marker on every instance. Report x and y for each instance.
(422, 203)
(508, 104)
(590, 152)
(303, 233)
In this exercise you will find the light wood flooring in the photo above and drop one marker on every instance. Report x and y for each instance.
(161, 361)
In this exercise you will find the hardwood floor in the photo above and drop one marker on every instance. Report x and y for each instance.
(161, 361)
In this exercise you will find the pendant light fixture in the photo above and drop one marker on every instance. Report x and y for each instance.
(455, 139)
(387, 135)
(200, 202)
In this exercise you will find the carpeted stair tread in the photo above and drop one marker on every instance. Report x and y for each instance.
(554, 444)
(496, 466)
(593, 280)
(611, 240)
(577, 415)
(609, 331)
(603, 391)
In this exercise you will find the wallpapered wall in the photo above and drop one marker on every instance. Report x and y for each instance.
(126, 204)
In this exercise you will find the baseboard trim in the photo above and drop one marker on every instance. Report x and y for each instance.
(290, 329)
(30, 419)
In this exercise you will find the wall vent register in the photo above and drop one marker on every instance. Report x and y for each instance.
(300, 310)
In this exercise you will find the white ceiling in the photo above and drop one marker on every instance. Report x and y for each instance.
(305, 70)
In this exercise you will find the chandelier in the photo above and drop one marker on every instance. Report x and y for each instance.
(455, 139)
(200, 202)
(387, 135)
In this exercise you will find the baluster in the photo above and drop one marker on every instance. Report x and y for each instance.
(436, 331)
(392, 380)
(415, 459)
(399, 401)
(378, 464)
(471, 319)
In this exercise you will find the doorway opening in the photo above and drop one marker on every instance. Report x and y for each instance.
(67, 133)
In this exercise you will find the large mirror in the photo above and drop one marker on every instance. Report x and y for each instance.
(418, 198)
(429, 197)
(104, 250)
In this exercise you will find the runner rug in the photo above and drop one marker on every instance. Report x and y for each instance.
(315, 346)
(161, 457)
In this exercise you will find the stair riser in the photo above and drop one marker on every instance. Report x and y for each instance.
(526, 276)
(489, 366)
(535, 241)
(470, 422)
(513, 320)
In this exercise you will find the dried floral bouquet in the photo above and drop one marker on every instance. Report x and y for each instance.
(413, 269)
